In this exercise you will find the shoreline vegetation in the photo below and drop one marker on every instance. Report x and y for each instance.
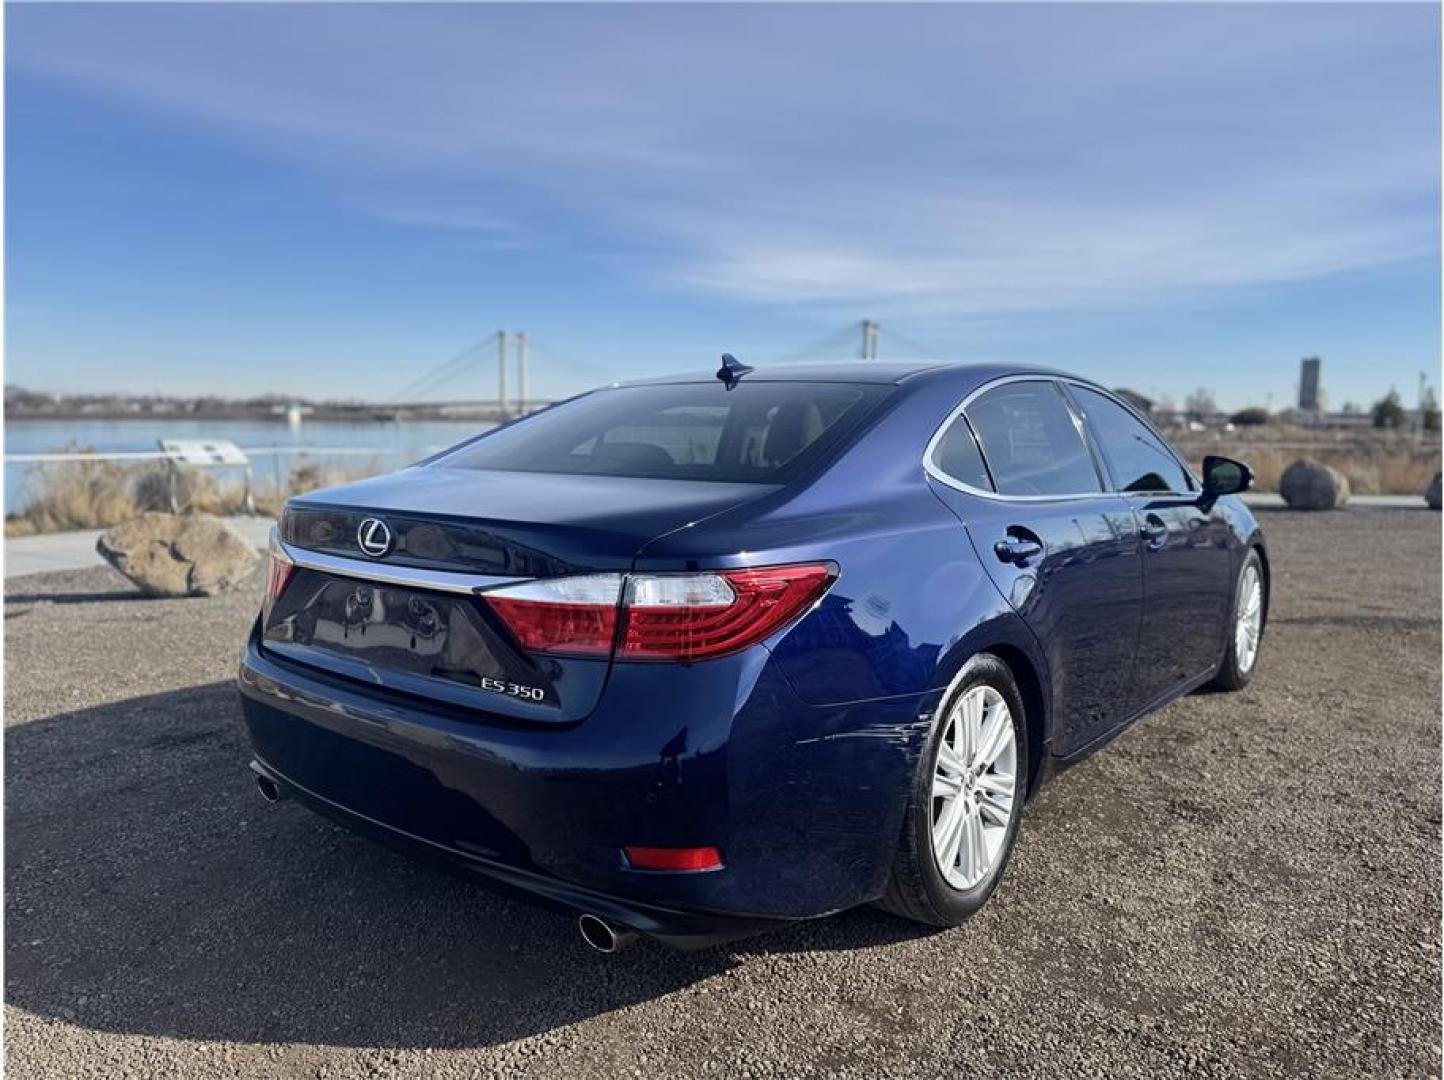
(26, 405)
(98, 494)
(74, 495)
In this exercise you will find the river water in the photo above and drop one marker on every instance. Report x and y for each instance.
(385, 445)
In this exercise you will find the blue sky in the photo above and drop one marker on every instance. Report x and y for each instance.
(328, 200)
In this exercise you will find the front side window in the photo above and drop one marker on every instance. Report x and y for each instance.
(1137, 458)
(1030, 442)
(761, 432)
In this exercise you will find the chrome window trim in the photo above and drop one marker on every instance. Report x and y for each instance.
(1094, 452)
(388, 573)
(1151, 428)
(959, 410)
(1101, 469)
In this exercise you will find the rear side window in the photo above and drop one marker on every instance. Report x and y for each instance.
(1136, 456)
(956, 455)
(1030, 441)
(760, 432)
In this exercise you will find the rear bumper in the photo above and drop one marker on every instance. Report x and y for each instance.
(804, 802)
(678, 928)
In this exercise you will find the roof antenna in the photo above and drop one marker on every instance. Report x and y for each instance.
(731, 370)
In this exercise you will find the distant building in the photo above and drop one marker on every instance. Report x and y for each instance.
(1309, 396)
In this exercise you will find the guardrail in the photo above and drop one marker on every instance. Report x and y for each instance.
(162, 455)
(218, 454)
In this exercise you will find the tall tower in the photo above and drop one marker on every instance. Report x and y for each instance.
(1309, 384)
(870, 330)
(521, 374)
(501, 336)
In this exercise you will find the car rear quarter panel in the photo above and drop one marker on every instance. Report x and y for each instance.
(833, 768)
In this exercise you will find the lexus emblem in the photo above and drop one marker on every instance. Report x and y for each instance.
(373, 537)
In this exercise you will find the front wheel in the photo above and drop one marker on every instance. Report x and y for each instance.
(966, 800)
(1246, 631)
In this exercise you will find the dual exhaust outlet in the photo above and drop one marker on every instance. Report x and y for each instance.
(269, 789)
(597, 932)
(603, 936)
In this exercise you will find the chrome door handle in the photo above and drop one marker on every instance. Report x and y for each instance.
(1154, 532)
(1016, 549)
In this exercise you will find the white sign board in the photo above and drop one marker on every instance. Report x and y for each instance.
(202, 452)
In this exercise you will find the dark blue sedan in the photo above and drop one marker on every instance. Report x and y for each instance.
(698, 656)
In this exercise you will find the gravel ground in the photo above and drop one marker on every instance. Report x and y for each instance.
(1244, 884)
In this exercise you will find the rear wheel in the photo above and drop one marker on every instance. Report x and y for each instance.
(966, 800)
(1246, 631)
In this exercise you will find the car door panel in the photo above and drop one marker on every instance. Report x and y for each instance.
(1063, 553)
(1187, 596)
(1187, 560)
(1081, 597)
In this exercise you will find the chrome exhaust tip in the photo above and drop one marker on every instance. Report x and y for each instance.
(602, 935)
(268, 788)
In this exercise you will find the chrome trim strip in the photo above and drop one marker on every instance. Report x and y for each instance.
(943, 478)
(1101, 470)
(1154, 430)
(390, 574)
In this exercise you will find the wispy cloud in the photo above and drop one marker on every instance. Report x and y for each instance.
(906, 252)
(440, 218)
(478, 229)
(933, 160)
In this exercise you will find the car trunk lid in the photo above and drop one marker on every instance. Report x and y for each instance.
(411, 619)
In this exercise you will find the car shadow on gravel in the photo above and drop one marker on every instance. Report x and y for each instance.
(151, 891)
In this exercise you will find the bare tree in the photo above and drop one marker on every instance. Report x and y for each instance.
(1199, 404)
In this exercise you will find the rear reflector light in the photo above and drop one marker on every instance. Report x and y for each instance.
(685, 617)
(673, 858)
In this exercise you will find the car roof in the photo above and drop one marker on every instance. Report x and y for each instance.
(864, 371)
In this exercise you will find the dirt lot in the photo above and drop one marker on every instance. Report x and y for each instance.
(1244, 884)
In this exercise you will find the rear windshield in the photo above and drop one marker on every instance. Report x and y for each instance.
(761, 432)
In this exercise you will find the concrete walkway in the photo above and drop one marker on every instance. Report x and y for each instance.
(1358, 502)
(76, 550)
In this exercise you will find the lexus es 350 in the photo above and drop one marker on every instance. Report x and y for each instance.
(702, 655)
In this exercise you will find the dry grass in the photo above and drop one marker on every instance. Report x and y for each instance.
(99, 494)
(1376, 463)
(309, 476)
(1379, 474)
(76, 495)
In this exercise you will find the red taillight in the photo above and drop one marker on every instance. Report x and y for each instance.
(762, 601)
(277, 574)
(673, 858)
(693, 616)
(572, 629)
(279, 569)
(574, 616)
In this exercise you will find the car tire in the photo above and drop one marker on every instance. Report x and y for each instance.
(1238, 666)
(918, 887)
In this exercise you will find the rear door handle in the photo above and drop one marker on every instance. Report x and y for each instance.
(1154, 532)
(1017, 549)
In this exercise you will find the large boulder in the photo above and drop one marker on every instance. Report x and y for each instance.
(1311, 485)
(1431, 496)
(180, 554)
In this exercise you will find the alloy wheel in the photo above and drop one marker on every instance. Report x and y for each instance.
(974, 787)
(1250, 618)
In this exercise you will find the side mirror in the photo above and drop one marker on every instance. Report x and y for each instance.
(1224, 476)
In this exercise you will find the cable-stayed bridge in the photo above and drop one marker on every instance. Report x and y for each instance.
(506, 360)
